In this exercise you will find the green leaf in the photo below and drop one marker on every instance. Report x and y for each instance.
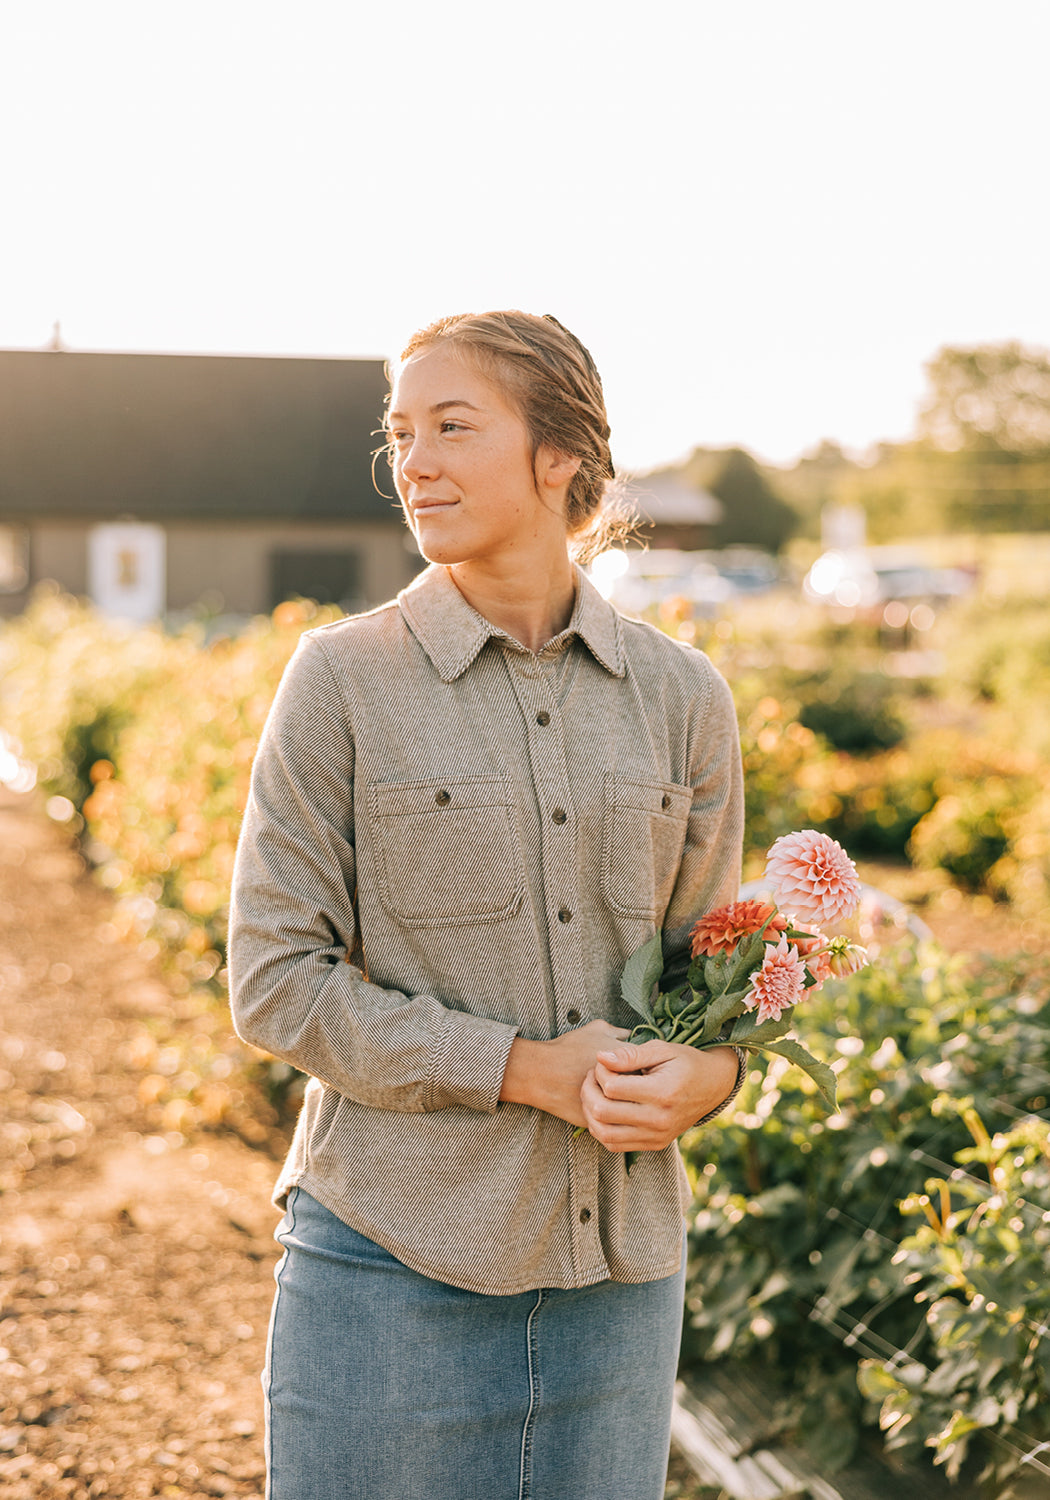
(820, 1073)
(747, 1028)
(640, 973)
(676, 1001)
(695, 974)
(749, 957)
(718, 1012)
(716, 974)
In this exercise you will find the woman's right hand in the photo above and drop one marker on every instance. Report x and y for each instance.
(550, 1075)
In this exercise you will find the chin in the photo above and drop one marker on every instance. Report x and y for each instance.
(441, 552)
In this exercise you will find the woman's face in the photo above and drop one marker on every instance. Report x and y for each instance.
(463, 467)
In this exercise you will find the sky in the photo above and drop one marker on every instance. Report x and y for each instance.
(762, 217)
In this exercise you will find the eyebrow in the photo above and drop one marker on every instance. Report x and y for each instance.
(439, 406)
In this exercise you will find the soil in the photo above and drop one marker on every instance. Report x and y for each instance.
(135, 1267)
(135, 1264)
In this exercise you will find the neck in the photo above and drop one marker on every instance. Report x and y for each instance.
(531, 609)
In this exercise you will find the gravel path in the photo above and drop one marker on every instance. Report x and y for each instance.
(135, 1267)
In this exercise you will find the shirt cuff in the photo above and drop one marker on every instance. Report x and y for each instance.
(470, 1059)
(741, 1074)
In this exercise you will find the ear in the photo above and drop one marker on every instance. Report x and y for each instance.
(556, 470)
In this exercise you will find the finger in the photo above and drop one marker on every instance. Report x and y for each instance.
(633, 1088)
(627, 1135)
(632, 1057)
(650, 1125)
(626, 1138)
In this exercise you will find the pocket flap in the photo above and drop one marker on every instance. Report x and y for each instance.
(404, 798)
(667, 797)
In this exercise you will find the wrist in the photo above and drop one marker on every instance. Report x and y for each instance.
(524, 1073)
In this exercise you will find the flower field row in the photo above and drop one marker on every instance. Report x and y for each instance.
(904, 1237)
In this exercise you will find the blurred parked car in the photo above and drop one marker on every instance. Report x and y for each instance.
(888, 583)
(748, 569)
(635, 579)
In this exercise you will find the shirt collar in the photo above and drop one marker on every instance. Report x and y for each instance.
(452, 633)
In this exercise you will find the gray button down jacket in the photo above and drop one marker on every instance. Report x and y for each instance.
(514, 825)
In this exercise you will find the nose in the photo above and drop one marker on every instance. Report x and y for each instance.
(418, 461)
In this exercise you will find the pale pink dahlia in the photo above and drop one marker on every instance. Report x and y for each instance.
(779, 983)
(846, 958)
(813, 876)
(720, 931)
(808, 948)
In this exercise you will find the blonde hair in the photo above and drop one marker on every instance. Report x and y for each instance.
(551, 379)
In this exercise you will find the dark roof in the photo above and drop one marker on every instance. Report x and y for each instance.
(666, 499)
(166, 436)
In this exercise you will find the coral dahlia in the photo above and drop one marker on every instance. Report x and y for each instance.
(813, 876)
(720, 931)
(808, 946)
(779, 983)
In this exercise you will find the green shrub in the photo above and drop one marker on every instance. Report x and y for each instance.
(794, 1240)
(979, 1262)
(854, 711)
(999, 653)
(784, 763)
(68, 682)
(967, 831)
(152, 738)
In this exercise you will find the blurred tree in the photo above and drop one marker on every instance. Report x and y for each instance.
(983, 454)
(755, 514)
(814, 481)
(993, 398)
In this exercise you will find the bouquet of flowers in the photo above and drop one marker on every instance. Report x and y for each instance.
(751, 962)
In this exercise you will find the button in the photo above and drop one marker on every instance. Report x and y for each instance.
(543, 717)
(585, 1215)
(565, 915)
(665, 801)
(558, 815)
(443, 799)
(573, 1017)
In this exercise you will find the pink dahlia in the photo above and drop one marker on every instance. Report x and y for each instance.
(720, 931)
(779, 983)
(813, 876)
(808, 947)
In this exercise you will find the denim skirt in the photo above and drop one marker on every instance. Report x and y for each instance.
(382, 1384)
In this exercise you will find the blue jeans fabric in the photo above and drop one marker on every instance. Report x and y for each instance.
(382, 1384)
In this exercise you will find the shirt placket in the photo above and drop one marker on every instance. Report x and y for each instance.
(560, 867)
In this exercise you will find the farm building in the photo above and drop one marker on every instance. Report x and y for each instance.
(157, 484)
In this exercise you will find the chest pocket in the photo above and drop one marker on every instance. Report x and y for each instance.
(447, 852)
(642, 842)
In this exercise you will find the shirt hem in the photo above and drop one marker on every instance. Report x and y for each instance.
(423, 1268)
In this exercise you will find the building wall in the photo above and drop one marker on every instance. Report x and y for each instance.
(228, 566)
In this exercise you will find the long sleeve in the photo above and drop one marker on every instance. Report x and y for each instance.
(709, 874)
(294, 991)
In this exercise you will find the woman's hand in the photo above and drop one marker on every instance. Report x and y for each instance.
(641, 1098)
(550, 1075)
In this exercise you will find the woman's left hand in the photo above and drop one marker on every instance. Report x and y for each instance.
(641, 1098)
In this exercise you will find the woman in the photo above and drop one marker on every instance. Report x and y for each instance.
(468, 808)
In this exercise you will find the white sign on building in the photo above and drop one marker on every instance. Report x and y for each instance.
(126, 570)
